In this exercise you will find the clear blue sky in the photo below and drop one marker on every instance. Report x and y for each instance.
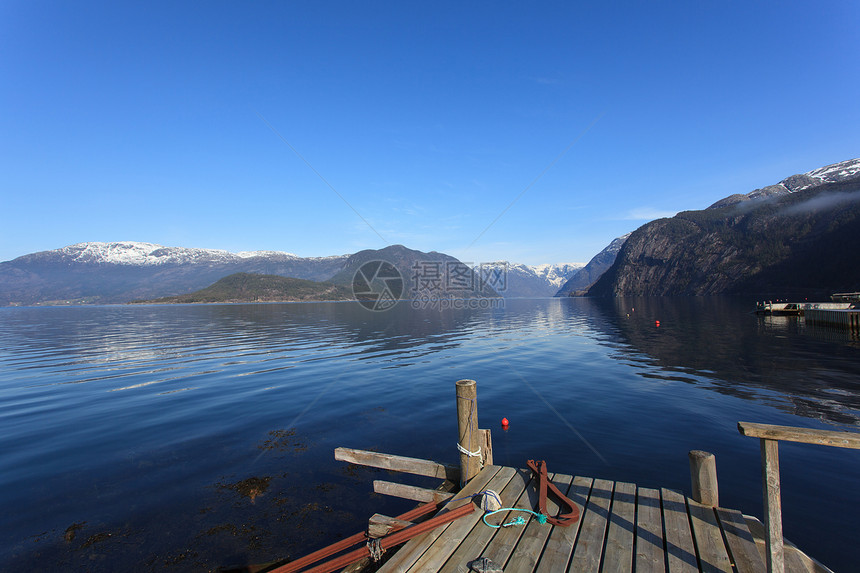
(148, 121)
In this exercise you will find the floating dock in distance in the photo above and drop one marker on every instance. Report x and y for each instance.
(797, 308)
(843, 318)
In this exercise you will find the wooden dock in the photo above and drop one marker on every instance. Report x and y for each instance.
(842, 318)
(622, 527)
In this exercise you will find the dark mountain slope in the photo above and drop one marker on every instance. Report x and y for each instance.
(433, 274)
(249, 287)
(801, 243)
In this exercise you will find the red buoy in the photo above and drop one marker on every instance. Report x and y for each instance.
(505, 423)
(657, 323)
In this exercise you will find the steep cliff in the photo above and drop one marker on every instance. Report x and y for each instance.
(775, 241)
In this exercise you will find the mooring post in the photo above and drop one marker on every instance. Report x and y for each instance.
(703, 475)
(467, 428)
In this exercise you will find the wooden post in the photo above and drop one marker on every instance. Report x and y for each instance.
(772, 505)
(486, 440)
(703, 475)
(467, 429)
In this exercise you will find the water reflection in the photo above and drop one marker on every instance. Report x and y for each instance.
(138, 417)
(775, 359)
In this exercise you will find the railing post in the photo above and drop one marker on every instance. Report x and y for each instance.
(467, 429)
(703, 475)
(772, 505)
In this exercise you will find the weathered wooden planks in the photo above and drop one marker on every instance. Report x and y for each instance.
(533, 539)
(504, 541)
(380, 525)
(474, 545)
(709, 539)
(440, 550)
(621, 529)
(772, 505)
(407, 555)
(412, 492)
(680, 550)
(740, 542)
(649, 532)
(595, 520)
(803, 435)
(397, 463)
(622, 526)
(559, 546)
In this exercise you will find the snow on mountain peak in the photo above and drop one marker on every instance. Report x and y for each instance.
(837, 172)
(149, 254)
(555, 274)
(251, 254)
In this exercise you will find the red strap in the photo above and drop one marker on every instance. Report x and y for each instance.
(563, 519)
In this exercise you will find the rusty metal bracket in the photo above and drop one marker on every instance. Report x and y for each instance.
(563, 519)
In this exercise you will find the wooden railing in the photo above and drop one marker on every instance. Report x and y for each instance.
(770, 437)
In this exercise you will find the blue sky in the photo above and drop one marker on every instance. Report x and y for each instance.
(175, 123)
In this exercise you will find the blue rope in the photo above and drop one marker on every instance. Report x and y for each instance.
(515, 521)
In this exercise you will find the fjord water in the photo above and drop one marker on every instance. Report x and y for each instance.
(187, 437)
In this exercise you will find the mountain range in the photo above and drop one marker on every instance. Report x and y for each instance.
(119, 272)
(524, 281)
(797, 237)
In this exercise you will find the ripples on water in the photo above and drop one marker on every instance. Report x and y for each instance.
(193, 436)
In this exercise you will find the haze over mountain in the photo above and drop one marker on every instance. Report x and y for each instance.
(795, 238)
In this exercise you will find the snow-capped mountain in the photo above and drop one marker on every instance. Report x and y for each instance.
(525, 281)
(556, 274)
(148, 254)
(123, 271)
(835, 173)
(127, 270)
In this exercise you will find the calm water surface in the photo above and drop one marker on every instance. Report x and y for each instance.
(187, 437)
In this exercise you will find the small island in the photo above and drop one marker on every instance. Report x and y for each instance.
(251, 287)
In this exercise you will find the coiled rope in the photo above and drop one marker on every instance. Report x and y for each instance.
(519, 520)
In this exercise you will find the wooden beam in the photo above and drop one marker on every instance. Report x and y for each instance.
(397, 463)
(381, 525)
(486, 440)
(803, 435)
(410, 491)
(772, 505)
(703, 475)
